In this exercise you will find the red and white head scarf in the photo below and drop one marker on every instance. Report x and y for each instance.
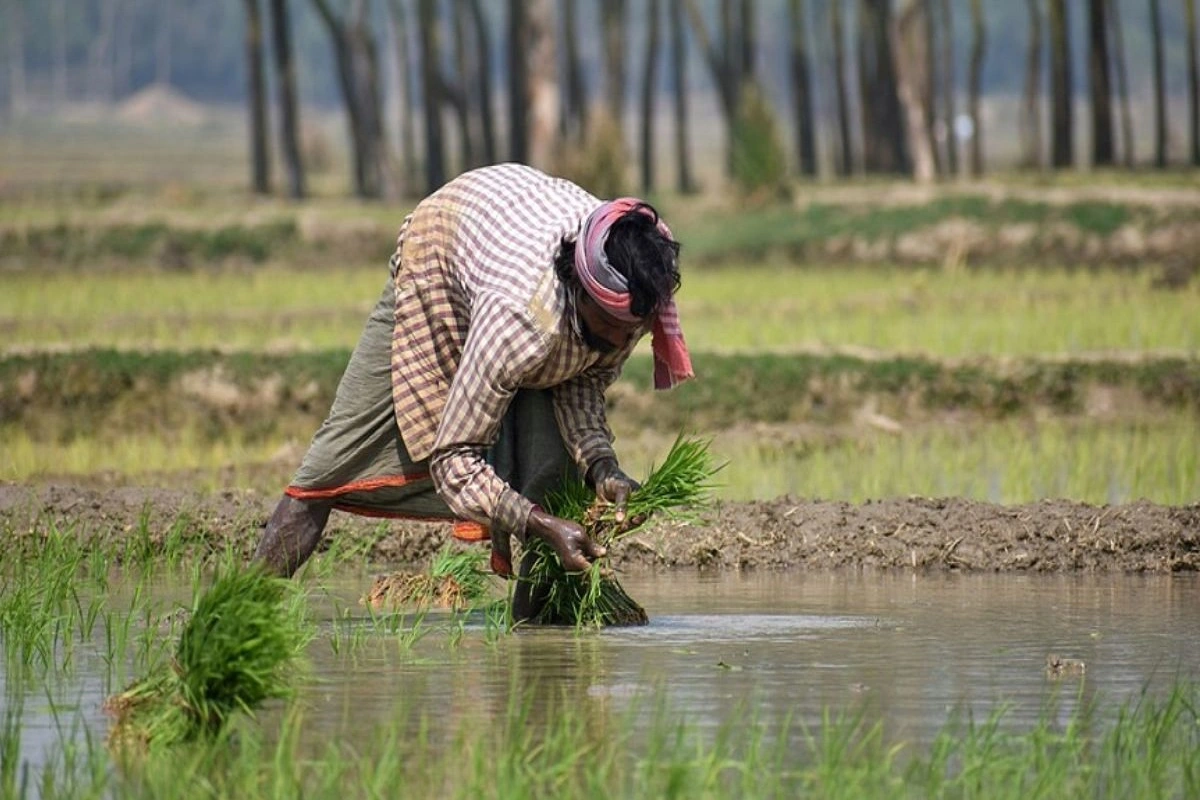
(610, 290)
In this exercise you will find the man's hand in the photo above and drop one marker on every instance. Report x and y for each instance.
(575, 548)
(612, 485)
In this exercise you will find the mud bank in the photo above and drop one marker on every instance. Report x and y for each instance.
(788, 533)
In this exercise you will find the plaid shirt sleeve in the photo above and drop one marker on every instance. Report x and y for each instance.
(502, 346)
(579, 410)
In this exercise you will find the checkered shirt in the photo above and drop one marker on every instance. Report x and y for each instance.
(480, 314)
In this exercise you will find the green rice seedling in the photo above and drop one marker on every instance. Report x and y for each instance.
(457, 579)
(237, 650)
(595, 597)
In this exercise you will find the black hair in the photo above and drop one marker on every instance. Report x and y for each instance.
(638, 250)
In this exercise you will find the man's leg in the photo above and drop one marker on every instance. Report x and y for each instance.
(292, 534)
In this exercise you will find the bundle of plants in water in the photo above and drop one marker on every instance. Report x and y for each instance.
(457, 579)
(239, 648)
(595, 597)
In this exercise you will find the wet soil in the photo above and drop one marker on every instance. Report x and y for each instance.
(897, 533)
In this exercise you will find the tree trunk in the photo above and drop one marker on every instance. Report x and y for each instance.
(122, 80)
(1193, 90)
(724, 64)
(649, 84)
(749, 46)
(1062, 152)
(518, 83)
(1160, 97)
(1115, 30)
(58, 24)
(930, 90)
(256, 98)
(1031, 103)
(845, 159)
(974, 80)
(285, 87)
(806, 140)
(948, 73)
(487, 119)
(162, 54)
(683, 168)
(884, 141)
(543, 84)
(910, 46)
(401, 43)
(431, 92)
(612, 20)
(358, 78)
(461, 97)
(574, 117)
(1101, 92)
(16, 57)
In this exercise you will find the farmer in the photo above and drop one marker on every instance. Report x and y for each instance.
(513, 302)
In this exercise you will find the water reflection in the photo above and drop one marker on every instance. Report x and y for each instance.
(909, 650)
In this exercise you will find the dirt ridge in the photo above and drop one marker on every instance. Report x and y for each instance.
(912, 533)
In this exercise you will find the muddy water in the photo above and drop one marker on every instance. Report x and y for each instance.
(907, 650)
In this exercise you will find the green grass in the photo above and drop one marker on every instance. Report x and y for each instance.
(1002, 462)
(1147, 747)
(738, 309)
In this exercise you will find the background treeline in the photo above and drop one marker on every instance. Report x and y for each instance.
(925, 88)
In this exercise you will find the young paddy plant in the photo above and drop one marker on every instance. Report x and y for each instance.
(239, 648)
(595, 597)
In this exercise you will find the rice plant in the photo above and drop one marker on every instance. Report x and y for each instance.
(237, 650)
(595, 597)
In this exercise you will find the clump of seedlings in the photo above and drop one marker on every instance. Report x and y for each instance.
(457, 580)
(239, 647)
(595, 597)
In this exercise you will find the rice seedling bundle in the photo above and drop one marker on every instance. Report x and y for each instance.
(457, 579)
(595, 597)
(239, 648)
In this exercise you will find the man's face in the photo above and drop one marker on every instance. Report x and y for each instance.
(601, 331)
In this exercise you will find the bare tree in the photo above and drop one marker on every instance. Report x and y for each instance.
(1160, 97)
(803, 106)
(16, 56)
(400, 44)
(845, 160)
(974, 80)
(518, 83)
(100, 51)
(948, 85)
(1101, 92)
(683, 168)
(458, 93)
(724, 61)
(748, 48)
(431, 91)
(574, 117)
(1115, 31)
(910, 45)
(58, 27)
(162, 50)
(1031, 103)
(358, 79)
(543, 84)
(613, 15)
(930, 91)
(483, 81)
(885, 145)
(649, 84)
(285, 89)
(1062, 140)
(1189, 16)
(256, 98)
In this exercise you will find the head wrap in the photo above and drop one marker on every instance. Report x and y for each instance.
(610, 289)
